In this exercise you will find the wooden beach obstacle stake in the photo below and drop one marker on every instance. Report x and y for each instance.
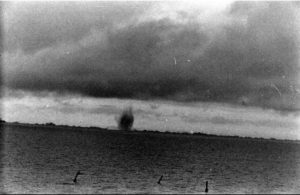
(206, 186)
(75, 178)
(160, 179)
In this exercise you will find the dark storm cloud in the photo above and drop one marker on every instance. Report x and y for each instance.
(31, 26)
(133, 50)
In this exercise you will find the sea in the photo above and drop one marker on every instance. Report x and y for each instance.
(44, 159)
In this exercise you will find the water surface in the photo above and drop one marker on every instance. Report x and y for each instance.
(45, 160)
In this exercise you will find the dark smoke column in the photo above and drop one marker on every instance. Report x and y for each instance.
(126, 120)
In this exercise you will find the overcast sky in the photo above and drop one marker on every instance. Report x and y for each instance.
(243, 53)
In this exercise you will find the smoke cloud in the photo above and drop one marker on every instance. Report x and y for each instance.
(125, 122)
(247, 52)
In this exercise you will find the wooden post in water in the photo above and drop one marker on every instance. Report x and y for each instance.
(75, 178)
(160, 179)
(206, 187)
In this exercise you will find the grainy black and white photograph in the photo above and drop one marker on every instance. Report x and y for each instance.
(156, 97)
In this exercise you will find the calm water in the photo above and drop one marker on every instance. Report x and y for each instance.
(45, 160)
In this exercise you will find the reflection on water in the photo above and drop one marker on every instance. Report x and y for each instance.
(45, 160)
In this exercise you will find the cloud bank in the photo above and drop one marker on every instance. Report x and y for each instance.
(244, 52)
(211, 118)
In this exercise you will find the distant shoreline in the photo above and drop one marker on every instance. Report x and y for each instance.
(92, 128)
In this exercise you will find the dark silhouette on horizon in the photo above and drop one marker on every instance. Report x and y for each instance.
(160, 179)
(126, 120)
(75, 178)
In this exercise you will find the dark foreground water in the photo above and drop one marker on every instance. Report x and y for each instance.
(45, 160)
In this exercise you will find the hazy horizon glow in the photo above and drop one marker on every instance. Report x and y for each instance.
(211, 118)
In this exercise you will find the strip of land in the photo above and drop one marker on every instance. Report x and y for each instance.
(53, 126)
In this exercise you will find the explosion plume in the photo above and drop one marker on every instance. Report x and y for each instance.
(126, 119)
